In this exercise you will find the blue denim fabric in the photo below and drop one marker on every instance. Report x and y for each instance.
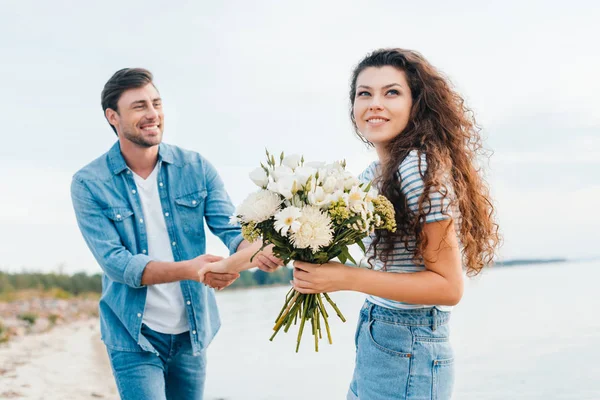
(402, 354)
(174, 374)
(110, 217)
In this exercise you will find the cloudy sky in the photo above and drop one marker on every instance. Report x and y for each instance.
(239, 76)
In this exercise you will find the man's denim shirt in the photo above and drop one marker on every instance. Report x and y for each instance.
(110, 217)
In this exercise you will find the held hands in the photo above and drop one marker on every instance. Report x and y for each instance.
(313, 278)
(211, 271)
(225, 268)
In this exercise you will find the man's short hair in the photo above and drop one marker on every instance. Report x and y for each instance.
(122, 80)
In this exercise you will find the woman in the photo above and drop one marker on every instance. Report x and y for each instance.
(426, 142)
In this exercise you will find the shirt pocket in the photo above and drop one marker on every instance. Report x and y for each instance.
(121, 217)
(190, 208)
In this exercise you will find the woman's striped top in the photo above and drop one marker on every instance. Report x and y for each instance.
(411, 171)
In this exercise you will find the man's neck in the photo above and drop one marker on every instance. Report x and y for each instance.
(140, 160)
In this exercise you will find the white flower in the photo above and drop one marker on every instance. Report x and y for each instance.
(350, 182)
(339, 195)
(330, 184)
(356, 199)
(233, 220)
(315, 231)
(259, 206)
(287, 186)
(259, 177)
(280, 171)
(319, 198)
(292, 161)
(287, 219)
(303, 174)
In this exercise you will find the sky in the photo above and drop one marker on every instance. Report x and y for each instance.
(237, 77)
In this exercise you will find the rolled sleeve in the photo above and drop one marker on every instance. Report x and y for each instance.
(134, 270)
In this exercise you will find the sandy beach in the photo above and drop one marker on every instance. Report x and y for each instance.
(68, 362)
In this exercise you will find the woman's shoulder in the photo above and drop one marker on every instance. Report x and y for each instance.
(368, 173)
(414, 163)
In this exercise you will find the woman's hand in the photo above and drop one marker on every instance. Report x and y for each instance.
(313, 278)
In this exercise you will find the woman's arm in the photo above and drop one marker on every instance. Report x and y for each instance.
(240, 261)
(440, 284)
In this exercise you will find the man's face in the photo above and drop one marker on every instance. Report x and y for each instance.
(140, 118)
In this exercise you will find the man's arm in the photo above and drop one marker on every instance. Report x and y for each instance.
(103, 239)
(163, 272)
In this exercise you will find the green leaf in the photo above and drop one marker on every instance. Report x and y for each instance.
(361, 245)
(347, 254)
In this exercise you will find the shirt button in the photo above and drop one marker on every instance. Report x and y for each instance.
(174, 243)
(193, 332)
(128, 172)
(133, 191)
(144, 251)
(141, 220)
(194, 201)
(160, 184)
(166, 214)
(139, 315)
(188, 302)
(118, 216)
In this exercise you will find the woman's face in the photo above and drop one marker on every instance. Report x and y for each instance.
(382, 104)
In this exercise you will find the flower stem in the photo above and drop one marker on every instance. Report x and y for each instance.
(337, 310)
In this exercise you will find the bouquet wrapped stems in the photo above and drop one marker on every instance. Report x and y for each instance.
(306, 307)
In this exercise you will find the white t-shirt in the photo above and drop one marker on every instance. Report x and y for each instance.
(165, 309)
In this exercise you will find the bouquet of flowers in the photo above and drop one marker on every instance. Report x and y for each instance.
(310, 211)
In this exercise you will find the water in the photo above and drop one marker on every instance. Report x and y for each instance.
(527, 332)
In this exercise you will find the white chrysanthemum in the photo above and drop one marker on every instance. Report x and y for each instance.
(315, 230)
(259, 206)
(287, 220)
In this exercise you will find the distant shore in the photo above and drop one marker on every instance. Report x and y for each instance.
(528, 261)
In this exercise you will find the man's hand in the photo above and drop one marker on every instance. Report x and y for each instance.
(210, 270)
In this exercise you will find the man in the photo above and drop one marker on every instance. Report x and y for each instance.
(141, 209)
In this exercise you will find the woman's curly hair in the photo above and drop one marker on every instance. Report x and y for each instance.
(444, 129)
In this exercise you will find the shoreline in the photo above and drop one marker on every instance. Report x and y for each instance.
(67, 362)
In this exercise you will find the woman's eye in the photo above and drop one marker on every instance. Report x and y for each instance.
(359, 94)
(393, 92)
